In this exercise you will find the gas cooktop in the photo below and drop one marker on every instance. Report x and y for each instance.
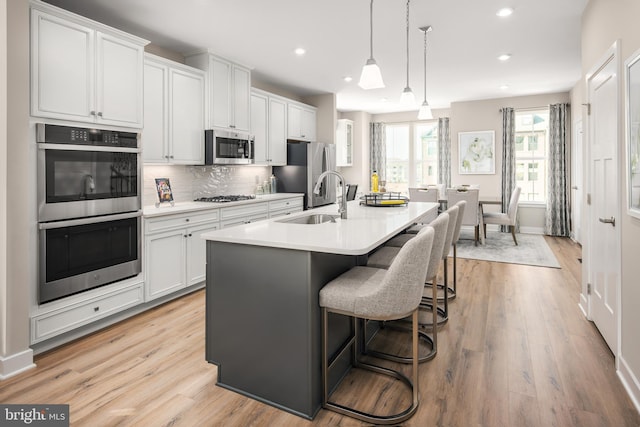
(225, 199)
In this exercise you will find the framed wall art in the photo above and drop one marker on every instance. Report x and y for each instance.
(632, 82)
(476, 152)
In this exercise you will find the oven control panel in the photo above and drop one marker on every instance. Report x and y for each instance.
(55, 134)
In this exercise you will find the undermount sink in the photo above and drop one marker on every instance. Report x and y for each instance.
(310, 219)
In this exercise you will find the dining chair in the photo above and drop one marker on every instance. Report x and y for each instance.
(471, 215)
(424, 195)
(500, 218)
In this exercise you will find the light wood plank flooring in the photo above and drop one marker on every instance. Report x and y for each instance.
(516, 352)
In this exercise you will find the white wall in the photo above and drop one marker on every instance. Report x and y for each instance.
(604, 22)
(17, 188)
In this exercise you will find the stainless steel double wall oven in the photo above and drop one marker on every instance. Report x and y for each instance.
(89, 208)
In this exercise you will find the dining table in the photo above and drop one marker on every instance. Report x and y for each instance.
(483, 200)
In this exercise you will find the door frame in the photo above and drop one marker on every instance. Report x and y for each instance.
(612, 54)
(577, 179)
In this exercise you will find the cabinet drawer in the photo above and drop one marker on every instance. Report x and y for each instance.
(170, 222)
(283, 212)
(244, 211)
(76, 315)
(243, 220)
(285, 204)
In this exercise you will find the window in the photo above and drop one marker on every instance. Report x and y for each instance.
(411, 165)
(531, 137)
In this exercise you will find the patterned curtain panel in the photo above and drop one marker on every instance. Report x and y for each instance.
(444, 152)
(557, 214)
(378, 161)
(508, 159)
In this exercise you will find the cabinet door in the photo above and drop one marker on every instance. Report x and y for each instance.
(259, 130)
(165, 263)
(294, 121)
(119, 81)
(197, 253)
(62, 69)
(241, 98)
(155, 134)
(220, 93)
(277, 132)
(308, 125)
(186, 117)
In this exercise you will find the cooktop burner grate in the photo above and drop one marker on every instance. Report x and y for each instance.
(224, 199)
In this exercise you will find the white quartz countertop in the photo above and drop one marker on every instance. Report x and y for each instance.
(366, 228)
(183, 207)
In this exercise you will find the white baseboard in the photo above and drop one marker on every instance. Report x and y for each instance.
(630, 382)
(583, 304)
(531, 230)
(16, 364)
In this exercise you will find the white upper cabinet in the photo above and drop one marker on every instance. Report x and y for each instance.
(230, 91)
(301, 122)
(174, 112)
(84, 71)
(269, 128)
(344, 143)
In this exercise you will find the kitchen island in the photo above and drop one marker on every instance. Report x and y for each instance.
(262, 316)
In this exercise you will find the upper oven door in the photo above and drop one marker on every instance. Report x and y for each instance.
(76, 181)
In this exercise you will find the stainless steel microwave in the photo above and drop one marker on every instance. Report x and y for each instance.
(223, 147)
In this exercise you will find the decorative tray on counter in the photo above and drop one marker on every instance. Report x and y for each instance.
(384, 199)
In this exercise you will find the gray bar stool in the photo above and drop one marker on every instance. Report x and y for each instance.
(384, 258)
(376, 294)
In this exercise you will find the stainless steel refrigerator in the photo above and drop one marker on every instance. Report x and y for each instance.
(305, 162)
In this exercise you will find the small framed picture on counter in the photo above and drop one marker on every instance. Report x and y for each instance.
(163, 186)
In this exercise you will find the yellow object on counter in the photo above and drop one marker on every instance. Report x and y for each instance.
(374, 182)
(392, 202)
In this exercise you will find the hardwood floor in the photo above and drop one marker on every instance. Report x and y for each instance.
(517, 351)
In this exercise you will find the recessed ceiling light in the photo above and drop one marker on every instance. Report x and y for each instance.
(348, 79)
(504, 56)
(505, 11)
(504, 87)
(300, 51)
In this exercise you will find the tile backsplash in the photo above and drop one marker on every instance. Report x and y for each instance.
(192, 182)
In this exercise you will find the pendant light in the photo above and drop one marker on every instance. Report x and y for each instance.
(425, 110)
(371, 77)
(407, 99)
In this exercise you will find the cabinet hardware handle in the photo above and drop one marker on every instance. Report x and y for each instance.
(171, 156)
(611, 221)
(96, 308)
(99, 113)
(232, 126)
(185, 236)
(93, 113)
(187, 219)
(190, 234)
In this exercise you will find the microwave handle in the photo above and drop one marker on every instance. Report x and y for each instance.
(251, 142)
(83, 221)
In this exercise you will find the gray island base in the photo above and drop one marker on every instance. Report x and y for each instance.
(263, 327)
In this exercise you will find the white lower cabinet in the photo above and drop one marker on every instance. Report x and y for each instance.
(284, 207)
(175, 255)
(60, 317)
(243, 214)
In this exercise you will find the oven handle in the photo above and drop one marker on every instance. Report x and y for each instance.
(90, 220)
(71, 147)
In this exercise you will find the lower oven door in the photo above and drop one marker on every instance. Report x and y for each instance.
(83, 254)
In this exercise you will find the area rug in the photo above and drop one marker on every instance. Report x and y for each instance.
(531, 250)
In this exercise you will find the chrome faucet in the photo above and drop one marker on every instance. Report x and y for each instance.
(342, 210)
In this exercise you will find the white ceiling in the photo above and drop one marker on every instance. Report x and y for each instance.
(542, 35)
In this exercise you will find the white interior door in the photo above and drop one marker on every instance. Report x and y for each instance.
(604, 256)
(576, 180)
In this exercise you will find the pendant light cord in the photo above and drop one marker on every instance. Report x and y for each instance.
(371, 29)
(408, 43)
(425, 64)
